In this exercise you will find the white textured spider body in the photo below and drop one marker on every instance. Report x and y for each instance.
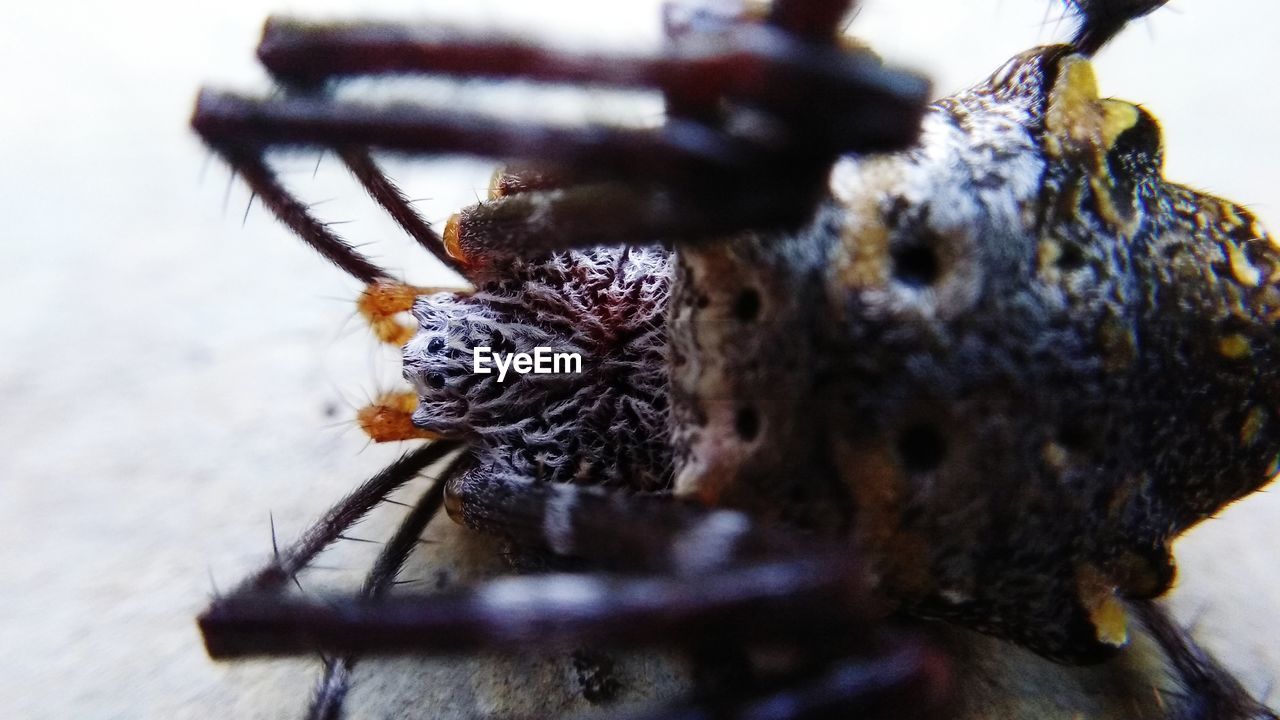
(606, 425)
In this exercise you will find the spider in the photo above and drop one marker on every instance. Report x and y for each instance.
(856, 368)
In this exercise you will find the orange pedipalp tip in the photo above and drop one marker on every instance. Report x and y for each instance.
(390, 418)
(381, 302)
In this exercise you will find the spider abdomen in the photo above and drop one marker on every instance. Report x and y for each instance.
(984, 338)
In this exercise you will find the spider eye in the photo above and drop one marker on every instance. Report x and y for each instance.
(916, 263)
(747, 305)
(922, 448)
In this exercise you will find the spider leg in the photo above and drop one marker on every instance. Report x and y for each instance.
(799, 600)
(236, 124)
(350, 510)
(719, 572)
(722, 578)
(331, 690)
(333, 685)
(615, 213)
(392, 199)
(473, 249)
(770, 66)
(784, 605)
(383, 298)
(1209, 691)
(249, 164)
(516, 179)
(734, 153)
(241, 128)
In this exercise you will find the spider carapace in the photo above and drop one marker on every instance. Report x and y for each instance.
(976, 360)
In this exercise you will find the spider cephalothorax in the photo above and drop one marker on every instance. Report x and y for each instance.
(606, 423)
(976, 361)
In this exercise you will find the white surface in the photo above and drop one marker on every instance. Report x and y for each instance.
(168, 376)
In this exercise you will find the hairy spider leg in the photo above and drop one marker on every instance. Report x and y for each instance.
(248, 162)
(335, 680)
(779, 600)
(306, 53)
(516, 179)
(691, 177)
(719, 573)
(805, 602)
(473, 245)
(786, 603)
(789, 604)
(1206, 689)
(387, 194)
(600, 213)
(768, 66)
(286, 563)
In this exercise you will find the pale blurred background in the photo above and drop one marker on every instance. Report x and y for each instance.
(172, 369)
